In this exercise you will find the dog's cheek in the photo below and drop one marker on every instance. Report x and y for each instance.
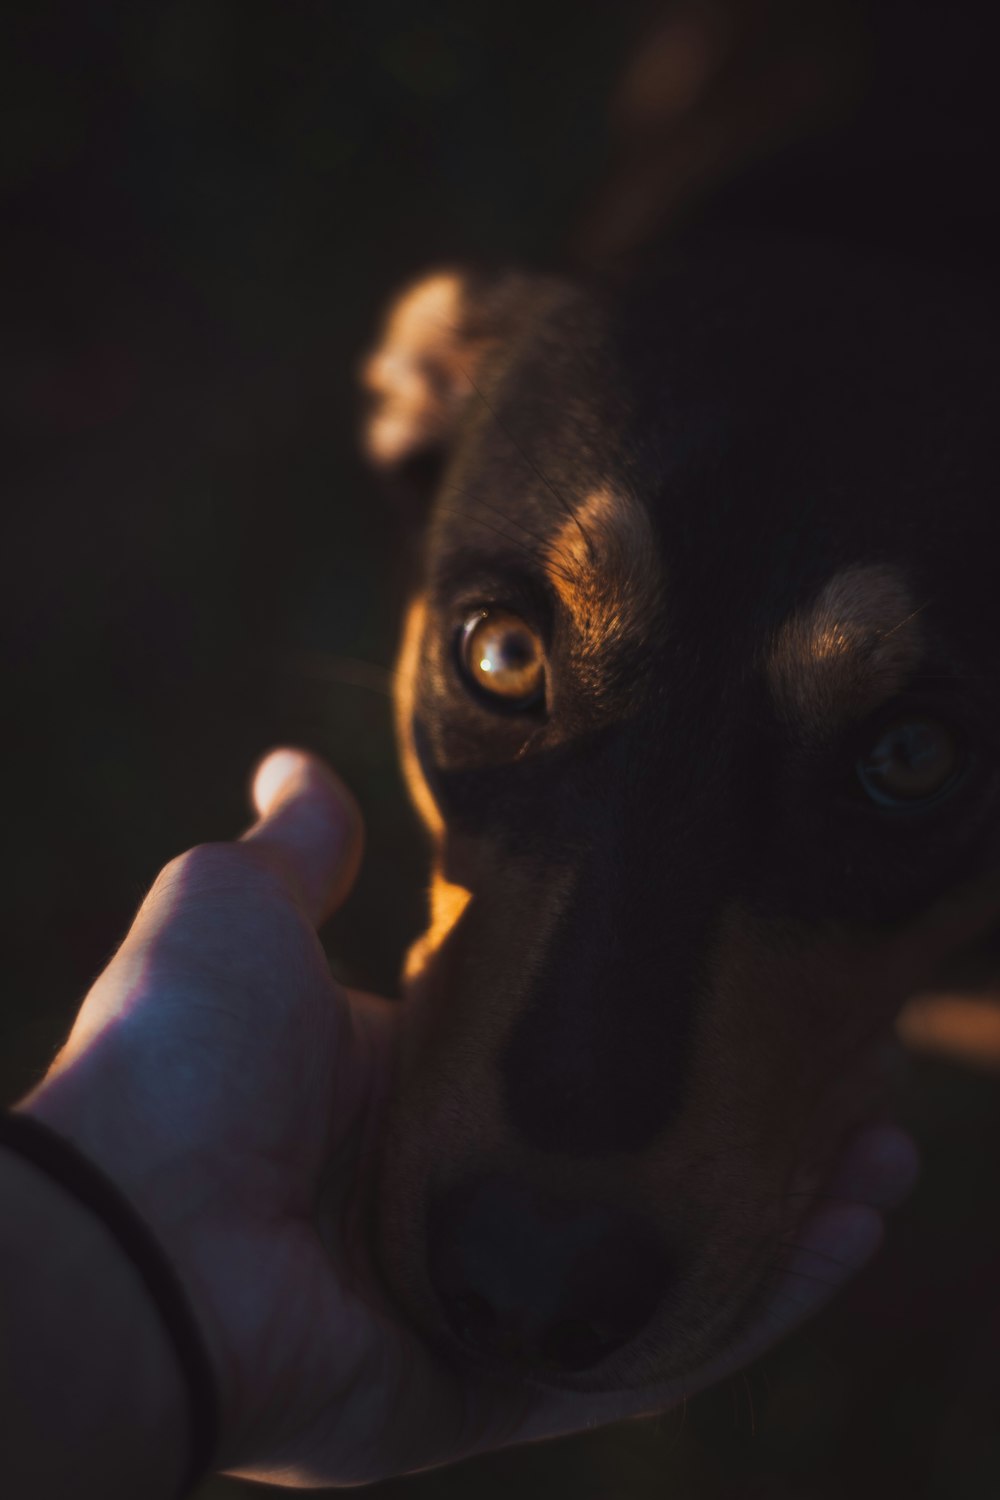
(448, 1118)
(796, 1008)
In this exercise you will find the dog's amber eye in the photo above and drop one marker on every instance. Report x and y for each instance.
(502, 656)
(912, 761)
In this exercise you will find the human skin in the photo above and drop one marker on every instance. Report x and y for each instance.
(220, 1077)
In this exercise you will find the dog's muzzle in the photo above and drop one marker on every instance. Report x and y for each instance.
(539, 1284)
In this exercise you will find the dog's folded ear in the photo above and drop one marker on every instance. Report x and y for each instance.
(428, 361)
(417, 378)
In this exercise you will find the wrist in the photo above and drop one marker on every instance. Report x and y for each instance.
(93, 1403)
(162, 1205)
(175, 1187)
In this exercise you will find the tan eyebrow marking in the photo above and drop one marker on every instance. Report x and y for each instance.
(853, 649)
(603, 564)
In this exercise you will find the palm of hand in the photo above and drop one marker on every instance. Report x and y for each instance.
(214, 1071)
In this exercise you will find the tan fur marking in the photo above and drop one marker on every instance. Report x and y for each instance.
(447, 903)
(404, 696)
(460, 1006)
(854, 649)
(602, 564)
(419, 373)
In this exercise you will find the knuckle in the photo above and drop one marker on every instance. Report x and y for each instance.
(224, 871)
(204, 864)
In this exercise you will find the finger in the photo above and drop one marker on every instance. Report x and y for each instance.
(845, 1228)
(309, 830)
(879, 1168)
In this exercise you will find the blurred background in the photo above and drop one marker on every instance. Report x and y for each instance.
(207, 204)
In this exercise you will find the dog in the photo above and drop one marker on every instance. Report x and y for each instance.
(697, 703)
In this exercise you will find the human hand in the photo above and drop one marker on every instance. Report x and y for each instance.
(219, 1075)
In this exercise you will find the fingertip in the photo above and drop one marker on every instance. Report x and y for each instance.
(898, 1158)
(287, 771)
(880, 1167)
(310, 823)
(277, 776)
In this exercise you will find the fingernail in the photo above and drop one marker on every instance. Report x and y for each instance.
(273, 777)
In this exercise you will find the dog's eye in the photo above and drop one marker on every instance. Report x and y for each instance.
(502, 656)
(911, 762)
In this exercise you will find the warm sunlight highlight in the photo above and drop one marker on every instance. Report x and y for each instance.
(448, 903)
(853, 649)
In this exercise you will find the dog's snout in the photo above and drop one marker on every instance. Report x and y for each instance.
(538, 1282)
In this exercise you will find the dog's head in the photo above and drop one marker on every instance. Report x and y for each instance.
(697, 700)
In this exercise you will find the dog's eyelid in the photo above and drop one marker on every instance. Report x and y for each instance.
(456, 597)
(462, 613)
(945, 705)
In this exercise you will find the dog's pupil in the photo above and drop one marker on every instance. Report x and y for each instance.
(503, 655)
(508, 655)
(515, 651)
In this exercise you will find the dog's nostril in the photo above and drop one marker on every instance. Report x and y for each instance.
(539, 1282)
(574, 1344)
(472, 1317)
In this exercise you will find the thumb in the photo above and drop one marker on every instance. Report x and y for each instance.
(309, 830)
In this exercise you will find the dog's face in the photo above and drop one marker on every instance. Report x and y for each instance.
(697, 699)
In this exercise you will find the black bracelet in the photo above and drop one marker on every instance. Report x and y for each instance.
(64, 1164)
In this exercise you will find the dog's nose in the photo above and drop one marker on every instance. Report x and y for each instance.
(541, 1282)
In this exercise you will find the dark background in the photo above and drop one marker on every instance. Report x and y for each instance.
(206, 205)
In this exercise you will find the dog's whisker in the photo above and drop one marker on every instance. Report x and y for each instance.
(513, 540)
(894, 630)
(539, 474)
(346, 671)
(780, 1266)
(477, 498)
(553, 568)
(496, 530)
(833, 1260)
